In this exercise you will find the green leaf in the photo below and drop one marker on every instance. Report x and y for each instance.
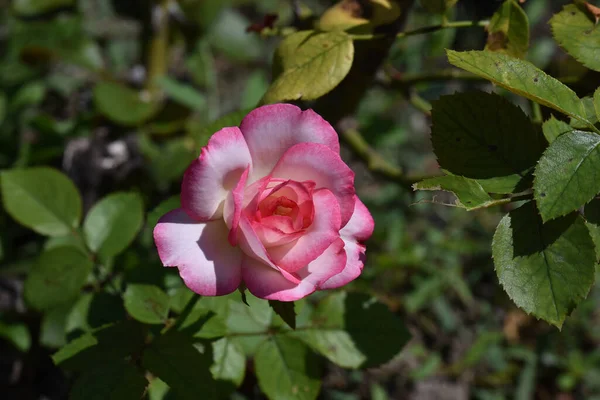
(578, 34)
(546, 269)
(466, 144)
(115, 381)
(109, 343)
(33, 7)
(113, 222)
(286, 369)
(553, 128)
(469, 193)
(229, 361)
(57, 277)
(349, 328)
(285, 310)
(123, 105)
(176, 361)
(146, 303)
(590, 112)
(596, 102)
(17, 334)
(509, 30)
(42, 199)
(520, 77)
(592, 217)
(567, 175)
(310, 64)
(182, 93)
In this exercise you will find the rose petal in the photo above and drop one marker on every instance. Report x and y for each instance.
(250, 242)
(267, 283)
(361, 224)
(355, 262)
(207, 263)
(232, 209)
(272, 129)
(316, 238)
(210, 177)
(360, 227)
(317, 163)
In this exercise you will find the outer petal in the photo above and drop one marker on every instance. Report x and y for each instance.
(360, 227)
(361, 224)
(272, 129)
(316, 162)
(211, 176)
(232, 209)
(355, 261)
(316, 239)
(267, 283)
(207, 263)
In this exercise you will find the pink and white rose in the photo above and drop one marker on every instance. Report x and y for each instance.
(270, 204)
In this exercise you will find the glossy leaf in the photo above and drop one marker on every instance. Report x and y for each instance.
(578, 34)
(470, 195)
(122, 104)
(112, 223)
(501, 158)
(568, 174)
(175, 360)
(590, 112)
(286, 369)
(520, 77)
(309, 64)
(115, 381)
(348, 329)
(508, 30)
(545, 268)
(42, 199)
(553, 128)
(57, 277)
(146, 303)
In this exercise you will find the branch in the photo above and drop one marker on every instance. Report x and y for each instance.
(376, 163)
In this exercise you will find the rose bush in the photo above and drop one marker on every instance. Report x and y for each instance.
(270, 203)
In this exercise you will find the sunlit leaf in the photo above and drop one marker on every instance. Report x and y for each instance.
(553, 128)
(42, 199)
(286, 369)
(578, 34)
(146, 303)
(112, 223)
(309, 64)
(568, 174)
(508, 30)
(469, 193)
(520, 77)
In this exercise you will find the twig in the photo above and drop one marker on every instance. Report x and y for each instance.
(376, 163)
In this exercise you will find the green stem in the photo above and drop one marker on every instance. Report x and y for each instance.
(427, 29)
(537, 112)
(159, 46)
(186, 311)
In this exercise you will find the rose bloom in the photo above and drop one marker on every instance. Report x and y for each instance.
(270, 203)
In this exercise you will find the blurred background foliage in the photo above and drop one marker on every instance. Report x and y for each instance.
(122, 97)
